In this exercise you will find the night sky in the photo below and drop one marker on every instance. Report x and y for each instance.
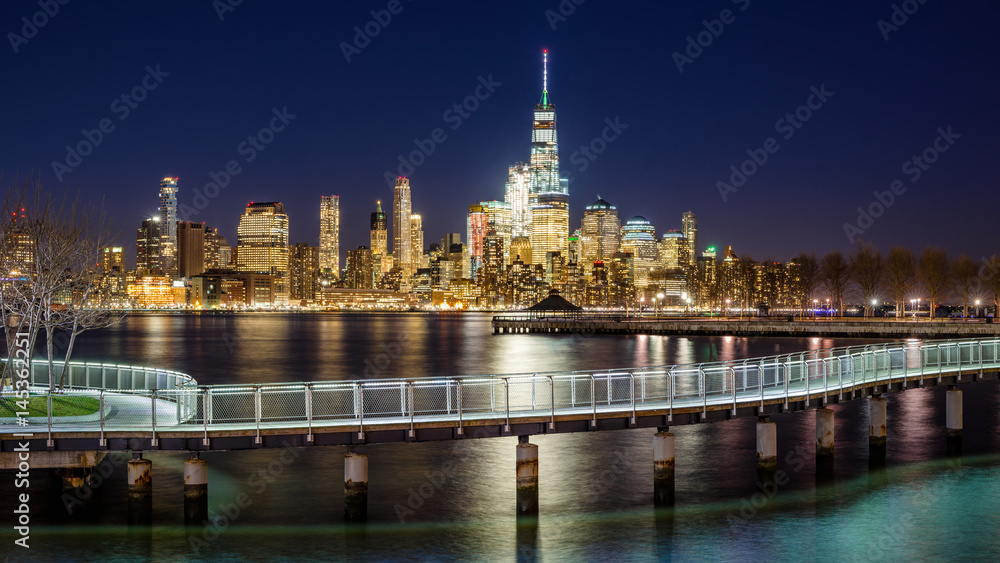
(220, 81)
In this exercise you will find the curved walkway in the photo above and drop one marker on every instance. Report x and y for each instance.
(158, 409)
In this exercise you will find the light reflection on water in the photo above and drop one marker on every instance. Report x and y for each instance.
(591, 508)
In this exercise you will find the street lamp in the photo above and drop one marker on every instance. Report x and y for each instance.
(642, 300)
(654, 306)
(660, 297)
(727, 308)
(815, 307)
(977, 308)
(874, 305)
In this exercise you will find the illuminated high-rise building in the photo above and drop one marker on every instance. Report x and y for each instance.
(416, 242)
(303, 272)
(549, 225)
(476, 225)
(639, 239)
(516, 194)
(360, 268)
(113, 260)
(147, 252)
(689, 228)
(168, 226)
(190, 249)
(499, 222)
(212, 241)
(600, 234)
(674, 251)
(18, 245)
(379, 231)
(262, 244)
(329, 234)
(520, 250)
(544, 164)
(401, 212)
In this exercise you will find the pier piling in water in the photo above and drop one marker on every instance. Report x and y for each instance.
(527, 477)
(195, 490)
(767, 450)
(876, 431)
(355, 487)
(140, 490)
(663, 467)
(824, 443)
(953, 420)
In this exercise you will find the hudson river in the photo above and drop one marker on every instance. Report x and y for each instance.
(595, 488)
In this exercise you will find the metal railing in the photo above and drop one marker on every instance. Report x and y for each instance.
(144, 398)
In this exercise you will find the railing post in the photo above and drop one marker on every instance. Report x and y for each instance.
(593, 400)
(552, 402)
(359, 406)
(100, 405)
(309, 411)
(670, 394)
(458, 383)
(732, 369)
(152, 407)
(940, 363)
(632, 393)
(506, 402)
(703, 384)
(447, 395)
(257, 413)
(409, 394)
(48, 403)
(206, 415)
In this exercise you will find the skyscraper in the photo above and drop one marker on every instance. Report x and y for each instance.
(476, 225)
(516, 194)
(147, 242)
(329, 234)
(262, 244)
(544, 165)
(600, 233)
(639, 239)
(499, 223)
(168, 226)
(401, 211)
(190, 249)
(212, 241)
(379, 231)
(303, 272)
(689, 228)
(416, 242)
(549, 225)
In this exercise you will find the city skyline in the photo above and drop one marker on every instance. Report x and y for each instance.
(692, 112)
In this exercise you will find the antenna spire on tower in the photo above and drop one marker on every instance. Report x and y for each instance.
(545, 70)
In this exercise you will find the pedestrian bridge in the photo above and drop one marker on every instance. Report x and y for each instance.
(144, 409)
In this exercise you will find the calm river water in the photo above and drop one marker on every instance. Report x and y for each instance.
(924, 507)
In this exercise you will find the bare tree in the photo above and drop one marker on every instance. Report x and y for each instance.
(868, 273)
(991, 275)
(56, 241)
(834, 275)
(964, 272)
(809, 277)
(932, 270)
(901, 276)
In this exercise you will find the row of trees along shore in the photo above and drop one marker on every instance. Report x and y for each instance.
(47, 252)
(897, 277)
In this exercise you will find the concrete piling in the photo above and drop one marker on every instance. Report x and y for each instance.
(140, 490)
(195, 490)
(767, 450)
(824, 443)
(527, 477)
(953, 420)
(876, 431)
(355, 487)
(663, 467)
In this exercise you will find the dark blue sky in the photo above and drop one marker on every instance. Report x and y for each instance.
(608, 60)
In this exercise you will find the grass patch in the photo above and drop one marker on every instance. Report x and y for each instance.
(61, 406)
